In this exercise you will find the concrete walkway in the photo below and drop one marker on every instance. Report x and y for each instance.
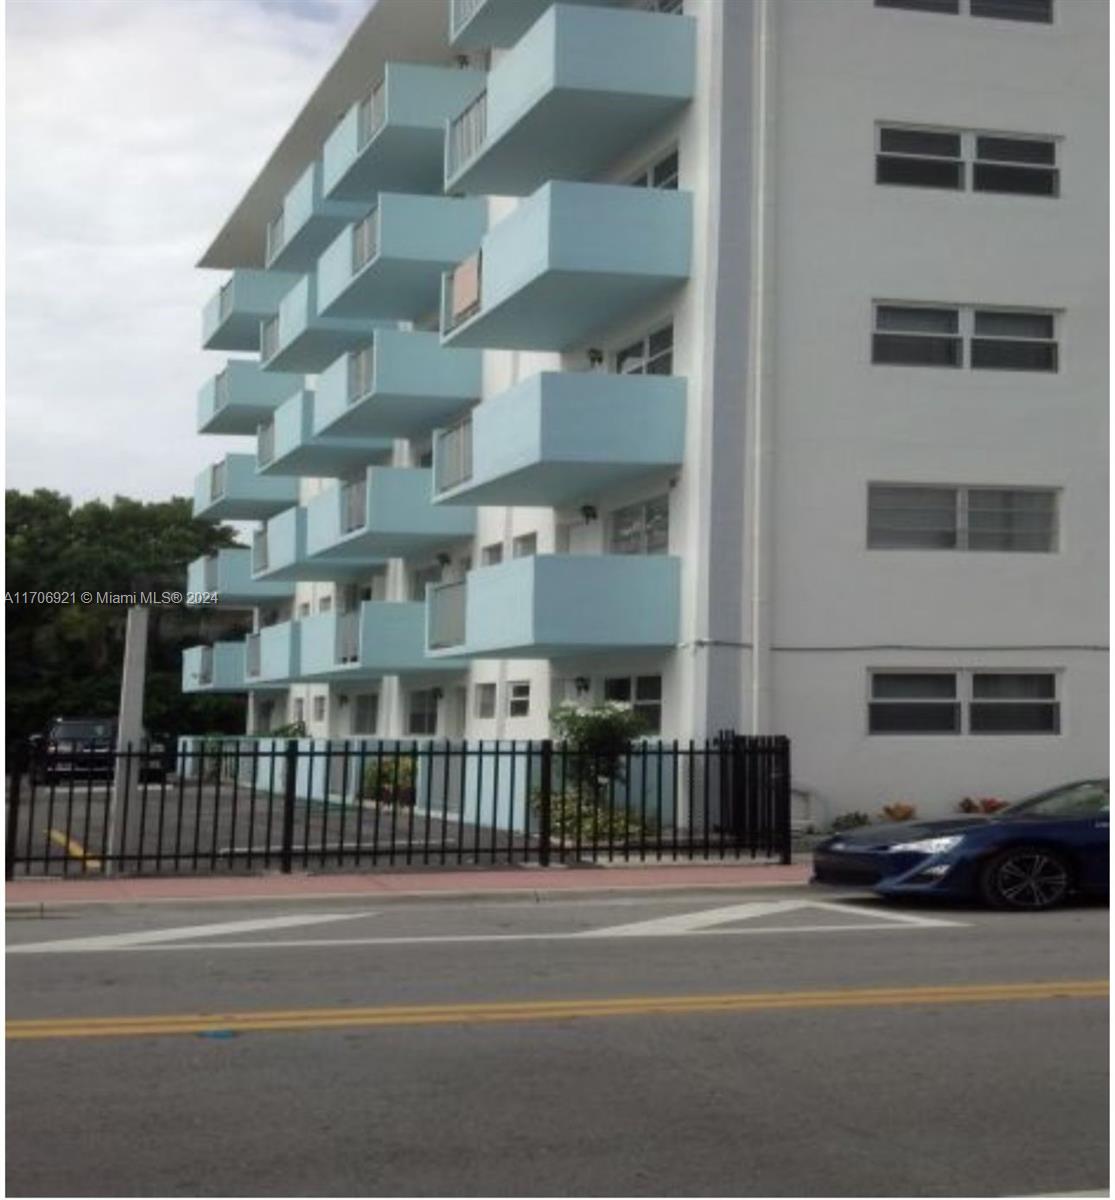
(386, 885)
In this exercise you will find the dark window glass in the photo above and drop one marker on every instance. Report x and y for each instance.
(1022, 181)
(925, 142)
(904, 350)
(618, 690)
(1014, 718)
(1014, 686)
(919, 172)
(1040, 11)
(990, 354)
(914, 718)
(1005, 519)
(990, 323)
(911, 518)
(934, 6)
(1016, 150)
(899, 686)
(665, 173)
(916, 319)
(1087, 799)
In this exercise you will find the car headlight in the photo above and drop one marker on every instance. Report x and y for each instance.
(936, 845)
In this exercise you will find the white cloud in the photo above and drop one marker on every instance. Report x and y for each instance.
(134, 126)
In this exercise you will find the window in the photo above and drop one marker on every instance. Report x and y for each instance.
(491, 555)
(319, 708)
(909, 703)
(422, 713)
(365, 713)
(650, 355)
(920, 158)
(917, 336)
(518, 699)
(1027, 166)
(524, 546)
(973, 702)
(303, 609)
(950, 158)
(299, 711)
(642, 528)
(918, 517)
(663, 173)
(1038, 11)
(933, 6)
(999, 339)
(420, 577)
(325, 604)
(643, 693)
(484, 701)
(1013, 341)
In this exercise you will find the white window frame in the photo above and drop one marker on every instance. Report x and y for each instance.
(644, 176)
(411, 712)
(525, 545)
(964, 8)
(964, 699)
(373, 699)
(969, 158)
(615, 514)
(518, 694)
(491, 555)
(966, 334)
(637, 705)
(320, 709)
(484, 692)
(637, 358)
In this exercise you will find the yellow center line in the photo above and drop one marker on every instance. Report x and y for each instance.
(74, 849)
(546, 1010)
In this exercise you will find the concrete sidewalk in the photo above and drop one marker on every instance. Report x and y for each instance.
(397, 885)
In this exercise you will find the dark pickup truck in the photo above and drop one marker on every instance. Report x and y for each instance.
(85, 748)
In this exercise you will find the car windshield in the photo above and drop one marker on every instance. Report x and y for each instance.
(1077, 800)
(78, 731)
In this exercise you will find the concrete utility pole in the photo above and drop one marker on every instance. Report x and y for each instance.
(129, 724)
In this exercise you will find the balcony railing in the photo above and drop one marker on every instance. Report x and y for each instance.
(464, 290)
(269, 339)
(220, 391)
(454, 455)
(365, 241)
(354, 505)
(447, 615)
(216, 481)
(224, 305)
(265, 446)
(466, 134)
(348, 637)
(276, 236)
(252, 656)
(370, 116)
(259, 551)
(361, 367)
(205, 667)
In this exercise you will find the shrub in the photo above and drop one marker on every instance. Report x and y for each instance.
(296, 729)
(985, 805)
(850, 820)
(575, 814)
(598, 739)
(390, 781)
(900, 811)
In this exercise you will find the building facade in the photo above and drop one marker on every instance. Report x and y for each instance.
(745, 362)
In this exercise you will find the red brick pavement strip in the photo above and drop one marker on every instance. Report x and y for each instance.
(400, 884)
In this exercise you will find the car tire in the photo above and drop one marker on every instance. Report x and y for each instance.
(1026, 879)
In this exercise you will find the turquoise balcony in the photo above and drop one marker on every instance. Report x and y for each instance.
(241, 396)
(231, 490)
(568, 263)
(478, 24)
(306, 223)
(393, 139)
(217, 668)
(231, 319)
(279, 553)
(580, 88)
(378, 639)
(228, 573)
(558, 437)
(550, 605)
(287, 444)
(298, 338)
(273, 655)
(385, 514)
(389, 265)
(401, 384)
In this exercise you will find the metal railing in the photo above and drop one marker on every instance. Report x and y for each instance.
(268, 338)
(354, 505)
(461, 292)
(361, 370)
(252, 656)
(220, 390)
(462, 11)
(365, 235)
(218, 474)
(453, 455)
(276, 236)
(347, 644)
(209, 804)
(259, 551)
(447, 607)
(265, 444)
(467, 133)
(371, 113)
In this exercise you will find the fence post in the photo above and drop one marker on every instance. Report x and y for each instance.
(545, 802)
(785, 828)
(18, 764)
(290, 784)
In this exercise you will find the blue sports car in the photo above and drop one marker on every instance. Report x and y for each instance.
(1031, 855)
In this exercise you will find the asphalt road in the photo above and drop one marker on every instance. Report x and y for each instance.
(778, 1043)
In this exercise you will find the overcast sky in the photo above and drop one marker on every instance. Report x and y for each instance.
(133, 128)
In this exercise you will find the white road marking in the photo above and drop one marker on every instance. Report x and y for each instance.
(155, 938)
(704, 923)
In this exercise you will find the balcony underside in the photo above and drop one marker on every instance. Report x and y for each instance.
(238, 331)
(304, 247)
(546, 484)
(398, 159)
(560, 310)
(502, 22)
(243, 508)
(302, 570)
(312, 350)
(239, 418)
(373, 545)
(328, 458)
(389, 289)
(381, 414)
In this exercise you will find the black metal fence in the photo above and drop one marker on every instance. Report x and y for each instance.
(254, 804)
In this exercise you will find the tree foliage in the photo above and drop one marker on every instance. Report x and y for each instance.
(65, 659)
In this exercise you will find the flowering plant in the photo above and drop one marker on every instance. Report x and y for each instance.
(900, 811)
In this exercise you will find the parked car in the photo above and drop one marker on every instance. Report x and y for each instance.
(85, 748)
(1032, 855)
